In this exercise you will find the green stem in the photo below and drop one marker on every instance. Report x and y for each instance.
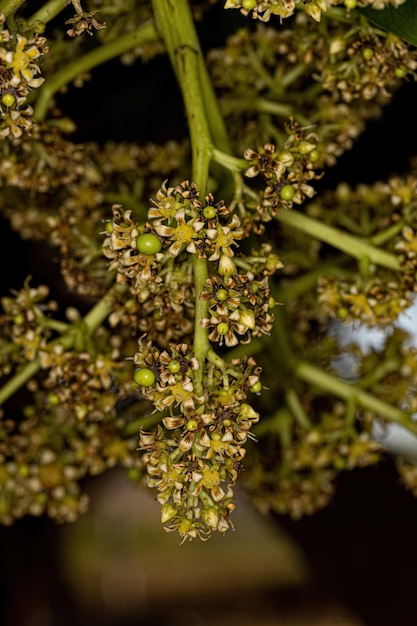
(229, 162)
(386, 235)
(175, 24)
(18, 380)
(354, 246)
(298, 286)
(146, 32)
(91, 322)
(9, 7)
(297, 411)
(260, 105)
(47, 12)
(201, 342)
(379, 372)
(331, 384)
(146, 422)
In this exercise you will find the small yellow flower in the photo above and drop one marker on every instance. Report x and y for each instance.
(21, 63)
(183, 234)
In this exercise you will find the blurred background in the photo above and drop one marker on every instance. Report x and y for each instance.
(352, 564)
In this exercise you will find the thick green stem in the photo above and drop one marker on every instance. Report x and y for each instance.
(354, 246)
(9, 7)
(146, 32)
(175, 24)
(229, 162)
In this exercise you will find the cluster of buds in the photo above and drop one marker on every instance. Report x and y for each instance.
(19, 74)
(25, 325)
(372, 301)
(287, 172)
(70, 428)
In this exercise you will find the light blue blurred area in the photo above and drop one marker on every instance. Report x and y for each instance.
(394, 438)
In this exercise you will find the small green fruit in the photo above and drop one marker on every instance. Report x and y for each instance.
(209, 212)
(248, 4)
(257, 387)
(222, 328)
(287, 192)
(174, 366)
(221, 294)
(148, 243)
(144, 377)
(8, 100)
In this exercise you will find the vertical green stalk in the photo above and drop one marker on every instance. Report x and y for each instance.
(175, 24)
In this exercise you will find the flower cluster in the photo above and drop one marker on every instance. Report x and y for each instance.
(25, 325)
(240, 306)
(348, 88)
(194, 457)
(19, 74)
(264, 9)
(287, 172)
(367, 65)
(69, 428)
(373, 301)
(301, 476)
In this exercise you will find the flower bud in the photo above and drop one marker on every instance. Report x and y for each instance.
(304, 147)
(247, 318)
(210, 517)
(247, 412)
(227, 266)
(286, 158)
(313, 11)
(167, 512)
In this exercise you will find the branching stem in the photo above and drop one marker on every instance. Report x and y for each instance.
(354, 246)
(91, 322)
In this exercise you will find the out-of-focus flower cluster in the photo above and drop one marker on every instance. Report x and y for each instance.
(69, 427)
(299, 478)
(264, 9)
(378, 296)
(19, 75)
(336, 78)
